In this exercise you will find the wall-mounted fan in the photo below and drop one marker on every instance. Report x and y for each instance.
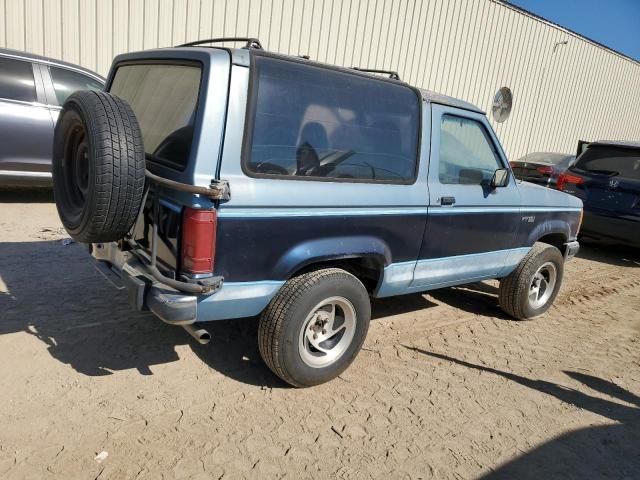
(502, 103)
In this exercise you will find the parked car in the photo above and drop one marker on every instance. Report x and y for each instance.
(606, 177)
(294, 190)
(542, 168)
(32, 92)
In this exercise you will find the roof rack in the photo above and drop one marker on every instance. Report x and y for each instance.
(392, 74)
(250, 42)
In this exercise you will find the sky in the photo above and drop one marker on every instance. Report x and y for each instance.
(614, 23)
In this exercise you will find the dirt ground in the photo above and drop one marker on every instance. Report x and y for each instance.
(446, 386)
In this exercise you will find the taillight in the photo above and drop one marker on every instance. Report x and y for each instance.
(198, 240)
(545, 170)
(565, 178)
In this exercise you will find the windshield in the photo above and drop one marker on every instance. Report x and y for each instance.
(164, 99)
(612, 161)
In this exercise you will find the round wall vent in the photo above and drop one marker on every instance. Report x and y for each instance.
(502, 103)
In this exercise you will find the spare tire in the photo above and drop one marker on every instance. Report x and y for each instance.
(98, 167)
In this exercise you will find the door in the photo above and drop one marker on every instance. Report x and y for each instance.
(471, 227)
(26, 127)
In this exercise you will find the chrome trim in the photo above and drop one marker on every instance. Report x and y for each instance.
(571, 250)
(20, 173)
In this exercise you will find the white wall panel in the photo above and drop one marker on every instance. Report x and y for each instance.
(464, 48)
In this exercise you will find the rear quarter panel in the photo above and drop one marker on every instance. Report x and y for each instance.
(272, 227)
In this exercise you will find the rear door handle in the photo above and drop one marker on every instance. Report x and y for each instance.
(447, 200)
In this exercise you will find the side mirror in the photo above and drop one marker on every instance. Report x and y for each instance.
(500, 178)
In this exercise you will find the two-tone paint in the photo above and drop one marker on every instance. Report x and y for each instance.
(272, 228)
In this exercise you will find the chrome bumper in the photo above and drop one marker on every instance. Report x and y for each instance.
(125, 271)
(571, 250)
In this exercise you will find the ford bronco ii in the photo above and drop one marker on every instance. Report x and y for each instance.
(216, 183)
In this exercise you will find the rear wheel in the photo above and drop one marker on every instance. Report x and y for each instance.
(532, 287)
(98, 167)
(314, 327)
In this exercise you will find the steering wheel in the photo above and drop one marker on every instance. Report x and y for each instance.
(270, 169)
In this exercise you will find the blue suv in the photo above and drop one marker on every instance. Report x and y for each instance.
(216, 183)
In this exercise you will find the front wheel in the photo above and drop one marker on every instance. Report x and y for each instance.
(532, 287)
(314, 327)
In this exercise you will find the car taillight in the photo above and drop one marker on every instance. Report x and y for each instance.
(545, 170)
(565, 178)
(198, 240)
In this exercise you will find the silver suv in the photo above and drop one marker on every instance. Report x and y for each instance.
(32, 92)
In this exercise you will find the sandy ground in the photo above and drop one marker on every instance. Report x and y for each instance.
(446, 386)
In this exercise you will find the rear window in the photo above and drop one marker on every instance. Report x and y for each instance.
(164, 99)
(614, 161)
(313, 122)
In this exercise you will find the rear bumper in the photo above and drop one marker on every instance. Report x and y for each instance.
(231, 300)
(126, 272)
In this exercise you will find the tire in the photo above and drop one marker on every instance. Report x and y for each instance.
(540, 265)
(98, 167)
(297, 312)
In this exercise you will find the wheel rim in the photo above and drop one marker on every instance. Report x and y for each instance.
(542, 285)
(327, 332)
(75, 168)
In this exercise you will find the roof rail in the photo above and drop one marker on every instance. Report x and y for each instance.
(392, 74)
(251, 42)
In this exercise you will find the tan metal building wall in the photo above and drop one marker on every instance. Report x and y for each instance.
(464, 48)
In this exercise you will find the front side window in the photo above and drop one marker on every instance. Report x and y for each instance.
(467, 154)
(164, 99)
(65, 82)
(16, 80)
(319, 123)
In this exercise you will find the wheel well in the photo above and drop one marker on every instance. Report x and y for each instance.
(558, 240)
(366, 269)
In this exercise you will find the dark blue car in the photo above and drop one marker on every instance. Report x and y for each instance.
(606, 177)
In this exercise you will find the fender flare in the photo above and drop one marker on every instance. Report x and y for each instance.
(550, 227)
(334, 248)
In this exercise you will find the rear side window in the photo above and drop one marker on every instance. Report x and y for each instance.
(318, 123)
(65, 82)
(164, 99)
(467, 154)
(16, 80)
(614, 161)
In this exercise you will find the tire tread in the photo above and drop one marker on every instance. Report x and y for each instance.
(273, 318)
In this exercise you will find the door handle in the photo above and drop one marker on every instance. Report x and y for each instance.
(447, 200)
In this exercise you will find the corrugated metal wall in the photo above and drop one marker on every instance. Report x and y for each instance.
(464, 48)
